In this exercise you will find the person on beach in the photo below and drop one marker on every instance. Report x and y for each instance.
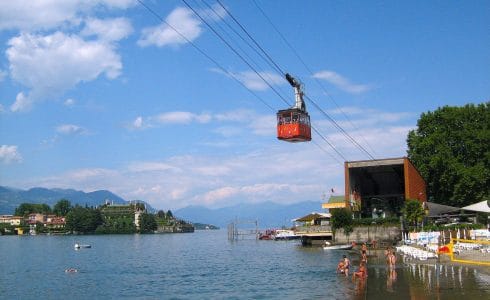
(361, 272)
(346, 265)
(363, 248)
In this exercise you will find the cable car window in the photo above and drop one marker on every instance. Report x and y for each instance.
(295, 118)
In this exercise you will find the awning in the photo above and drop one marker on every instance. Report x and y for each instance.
(482, 206)
(312, 216)
(439, 209)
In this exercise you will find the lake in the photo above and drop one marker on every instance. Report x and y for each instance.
(206, 265)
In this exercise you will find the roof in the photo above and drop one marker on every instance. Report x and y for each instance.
(483, 206)
(335, 202)
(376, 162)
(312, 216)
(439, 209)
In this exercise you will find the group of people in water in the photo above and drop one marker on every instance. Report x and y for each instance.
(344, 265)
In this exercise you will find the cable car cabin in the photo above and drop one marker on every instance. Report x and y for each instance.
(293, 125)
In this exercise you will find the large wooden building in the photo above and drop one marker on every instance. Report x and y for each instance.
(378, 188)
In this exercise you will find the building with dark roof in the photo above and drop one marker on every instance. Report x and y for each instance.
(378, 188)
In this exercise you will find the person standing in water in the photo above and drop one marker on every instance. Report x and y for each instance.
(346, 265)
(391, 259)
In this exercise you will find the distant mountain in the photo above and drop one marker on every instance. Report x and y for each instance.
(268, 214)
(11, 198)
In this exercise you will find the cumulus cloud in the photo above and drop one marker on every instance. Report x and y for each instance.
(70, 129)
(51, 64)
(109, 29)
(182, 20)
(35, 15)
(9, 154)
(342, 82)
(21, 103)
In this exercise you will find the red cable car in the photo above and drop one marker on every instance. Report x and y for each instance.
(293, 124)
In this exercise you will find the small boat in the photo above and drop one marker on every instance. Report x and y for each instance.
(71, 270)
(79, 246)
(329, 246)
(285, 234)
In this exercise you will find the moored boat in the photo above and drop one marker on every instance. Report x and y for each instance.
(79, 246)
(285, 234)
(328, 246)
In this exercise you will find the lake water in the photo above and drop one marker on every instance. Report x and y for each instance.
(205, 265)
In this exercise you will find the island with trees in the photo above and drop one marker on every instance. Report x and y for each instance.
(107, 218)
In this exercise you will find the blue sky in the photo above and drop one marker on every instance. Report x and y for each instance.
(103, 95)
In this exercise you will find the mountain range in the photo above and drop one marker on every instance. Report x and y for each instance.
(267, 214)
(11, 198)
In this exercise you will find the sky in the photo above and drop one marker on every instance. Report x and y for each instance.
(147, 100)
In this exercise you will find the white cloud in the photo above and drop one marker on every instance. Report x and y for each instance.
(51, 64)
(21, 103)
(151, 167)
(3, 74)
(253, 80)
(181, 117)
(182, 20)
(2, 109)
(137, 123)
(70, 129)
(69, 102)
(342, 82)
(109, 29)
(35, 15)
(9, 154)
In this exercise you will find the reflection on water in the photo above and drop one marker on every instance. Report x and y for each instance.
(429, 280)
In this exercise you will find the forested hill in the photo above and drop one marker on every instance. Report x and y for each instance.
(11, 198)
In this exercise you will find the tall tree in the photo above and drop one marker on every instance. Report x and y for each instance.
(450, 148)
(62, 207)
(413, 212)
(148, 224)
(342, 218)
(29, 208)
(83, 220)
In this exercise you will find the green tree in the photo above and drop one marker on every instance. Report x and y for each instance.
(25, 209)
(342, 218)
(169, 215)
(62, 207)
(413, 212)
(148, 224)
(161, 214)
(83, 220)
(450, 149)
